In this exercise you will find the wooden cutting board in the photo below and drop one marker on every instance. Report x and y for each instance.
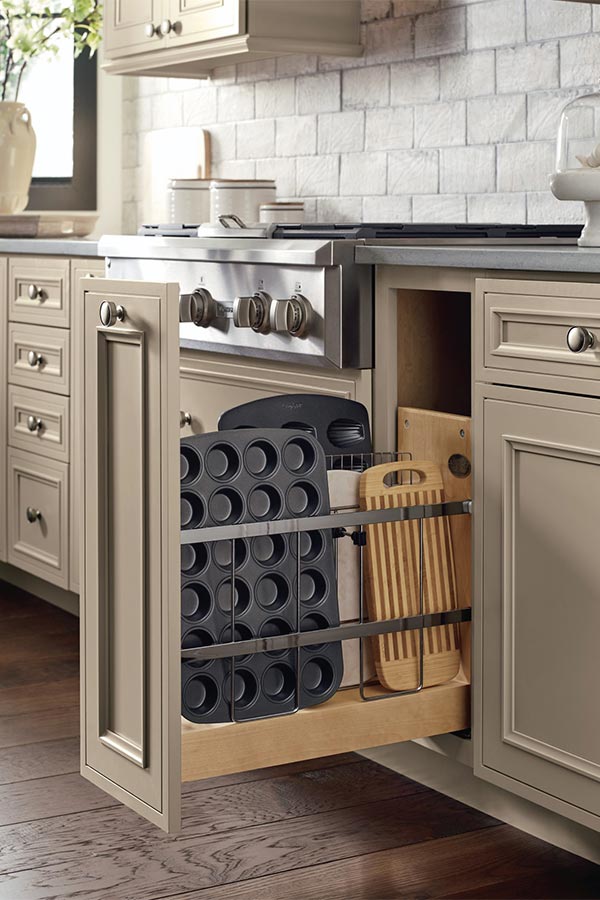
(392, 575)
(445, 439)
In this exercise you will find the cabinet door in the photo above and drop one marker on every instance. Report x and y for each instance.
(125, 23)
(131, 734)
(205, 20)
(540, 618)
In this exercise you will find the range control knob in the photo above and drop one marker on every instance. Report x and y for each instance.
(252, 312)
(198, 307)
(292, 315)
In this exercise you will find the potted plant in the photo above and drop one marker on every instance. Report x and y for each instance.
(30, 29)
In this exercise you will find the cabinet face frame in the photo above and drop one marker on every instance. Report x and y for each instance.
(566, 767)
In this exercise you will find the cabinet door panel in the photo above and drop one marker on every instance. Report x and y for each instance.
(541, 614)
(130, 691)
(125, 24)
(205, 20)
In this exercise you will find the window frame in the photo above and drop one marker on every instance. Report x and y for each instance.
(80, 191)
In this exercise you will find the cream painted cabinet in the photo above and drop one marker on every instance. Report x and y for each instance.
(127, 24)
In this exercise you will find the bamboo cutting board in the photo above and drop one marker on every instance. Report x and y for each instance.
(392, 576)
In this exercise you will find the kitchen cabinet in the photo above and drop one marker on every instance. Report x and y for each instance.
(3, 400)
(135, 745)
(537, 500)
(189, 38)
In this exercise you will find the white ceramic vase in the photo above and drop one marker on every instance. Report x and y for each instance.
(17, 152)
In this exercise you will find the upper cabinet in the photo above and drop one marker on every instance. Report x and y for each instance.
(189, 38)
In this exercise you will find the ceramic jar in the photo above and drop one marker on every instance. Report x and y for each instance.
(240, 198)
(17, 153)
(189, 201)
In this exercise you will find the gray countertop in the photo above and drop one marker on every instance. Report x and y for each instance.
(49, 247)
(528, 258)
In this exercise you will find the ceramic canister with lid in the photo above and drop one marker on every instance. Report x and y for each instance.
(283, 212)
(189, 201)
(240, 198)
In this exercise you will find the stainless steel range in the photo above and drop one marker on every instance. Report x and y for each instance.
(288, 293)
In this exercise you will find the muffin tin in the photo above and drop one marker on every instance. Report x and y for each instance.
(233, 477)
(341, 426)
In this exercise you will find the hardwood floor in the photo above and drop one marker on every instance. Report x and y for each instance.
(341, 828)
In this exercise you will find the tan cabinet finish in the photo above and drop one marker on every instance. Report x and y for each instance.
(38, 422)
(536, 568)
(125, 23)
(39, 291)
(3, 435)
(38, 505)
(204, 20)
(48, 368)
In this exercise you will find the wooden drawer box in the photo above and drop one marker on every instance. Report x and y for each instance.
(38, 422)
(38, 291)
(38, 507)
(525, 326)
(39, 357)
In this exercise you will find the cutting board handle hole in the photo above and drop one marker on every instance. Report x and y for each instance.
(402, 476)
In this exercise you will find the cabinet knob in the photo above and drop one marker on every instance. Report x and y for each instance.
(150, 30)
(34, 423)
(33, 514)
(110, 313)
(579, 339)
(165, 27)
(34, 292)
(34, 359)
(185, 418)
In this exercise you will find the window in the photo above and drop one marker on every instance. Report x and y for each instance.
(60, 93)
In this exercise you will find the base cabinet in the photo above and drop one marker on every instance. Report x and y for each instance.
(539, 619)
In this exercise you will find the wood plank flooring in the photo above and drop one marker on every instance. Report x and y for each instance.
(341, 828)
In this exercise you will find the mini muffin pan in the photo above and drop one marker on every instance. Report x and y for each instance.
(234, 477)
(341, 426)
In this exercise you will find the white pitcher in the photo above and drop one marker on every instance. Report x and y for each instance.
(17, 153)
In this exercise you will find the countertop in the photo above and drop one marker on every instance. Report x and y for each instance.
(561, 258)
(49, 247)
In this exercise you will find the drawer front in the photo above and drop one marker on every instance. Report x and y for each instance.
(38, 506)
(38, 291)
(39, 358)
(38, 422)
(526, 326)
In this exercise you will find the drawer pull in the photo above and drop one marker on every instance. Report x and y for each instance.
(110, 313)
(185, 418)
(35, 293)
(580, 339)
(34, 423)
(150, 30)
(33, 514)
(34, 359)
(165, 27)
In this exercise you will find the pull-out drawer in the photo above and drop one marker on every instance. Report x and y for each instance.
(538, 333)
(38, 291)
(38, 357)
(38, 506)
(134, 743)
(38, 422)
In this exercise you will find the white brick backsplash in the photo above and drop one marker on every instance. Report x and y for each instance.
(414, 7)
(413, 172)
(295, 65)
(549, 19)
(296, 136)
(495, 24)
(527, 68)
(255, 140)
(525, 167)
(389, 129)
(496, 208)
(387, 209)
(545, 208)
(375, 9)
(493, 120)
(342, 132)
(222, 142)
(200, 106)
(467, 170)
(364, 88)
(167, 111)
(318, 93)
(389, 41)
(258, 70)
(579, 60)
(363, 173)
(236, 168)
(469, 75)
(235, 102)
(282, 171)
(439, 208)
(440, 32)
(275, 98)
(440, 124)
(543, 116)
(415, 82)
(339, 209)
(129, 151)
(318, 176)
(130, 184)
